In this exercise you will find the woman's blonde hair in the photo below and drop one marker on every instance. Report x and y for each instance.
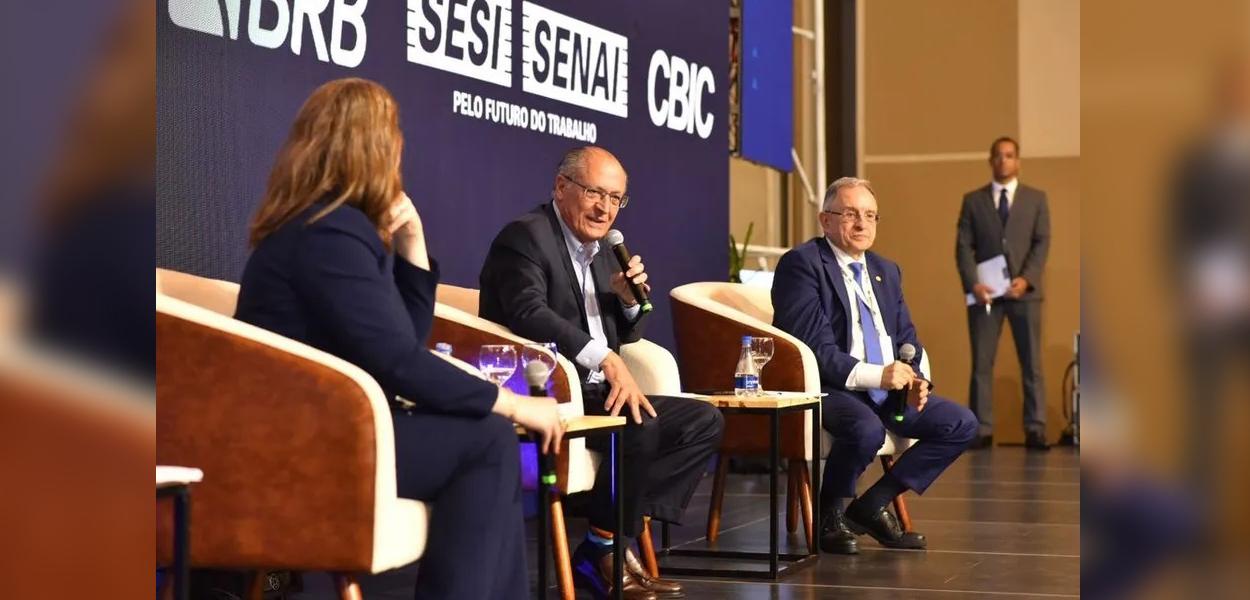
(344, 147)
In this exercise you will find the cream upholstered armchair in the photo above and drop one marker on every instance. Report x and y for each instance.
(284, 487)
(709, 319)
(456, 323)
(655, 370)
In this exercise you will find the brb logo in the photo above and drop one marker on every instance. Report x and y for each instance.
(472, 38)
(282, 17)
(680, 107)
(573, 61)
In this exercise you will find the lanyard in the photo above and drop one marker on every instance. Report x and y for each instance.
(859, 290)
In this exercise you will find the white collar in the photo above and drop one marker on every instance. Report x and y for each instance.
(997, 188)
(844, 258)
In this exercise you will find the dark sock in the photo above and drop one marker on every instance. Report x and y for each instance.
(883, 492)
(835, 505)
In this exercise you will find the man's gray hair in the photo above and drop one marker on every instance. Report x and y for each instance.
(573, 163)
(842, 183)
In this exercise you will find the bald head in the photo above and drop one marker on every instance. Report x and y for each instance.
(575, 162)
(582, 169)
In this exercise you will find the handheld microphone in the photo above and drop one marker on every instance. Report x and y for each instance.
(536, 377)
(616, 240)
(906, 354)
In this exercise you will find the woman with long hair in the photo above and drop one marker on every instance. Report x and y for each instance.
(340, 263)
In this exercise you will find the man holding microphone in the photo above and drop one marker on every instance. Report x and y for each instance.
(551, 277)
(846, 304)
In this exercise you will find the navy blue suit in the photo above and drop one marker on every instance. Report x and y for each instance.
(810, 302)
(332, 284)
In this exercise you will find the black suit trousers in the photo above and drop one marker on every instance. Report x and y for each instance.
(665, 457)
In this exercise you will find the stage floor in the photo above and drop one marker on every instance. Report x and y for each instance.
(1001, 523)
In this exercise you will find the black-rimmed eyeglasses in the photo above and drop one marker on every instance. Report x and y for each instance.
(598, 195)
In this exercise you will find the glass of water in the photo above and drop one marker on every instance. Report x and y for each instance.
(497, 362)
(542, 353)
(761, 352)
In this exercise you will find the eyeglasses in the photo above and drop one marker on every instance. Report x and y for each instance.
(598, 195)
(851, 216)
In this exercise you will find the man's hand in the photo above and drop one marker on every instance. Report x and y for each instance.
(1018, 287)
(918, 394)
(636, 274)
(981, 292)
(624, 389)
(896, 376)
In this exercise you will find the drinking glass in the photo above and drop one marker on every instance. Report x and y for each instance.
(497, 362)
(542, 353)
(761, 352)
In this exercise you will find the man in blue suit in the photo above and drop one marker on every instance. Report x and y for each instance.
(846, 304)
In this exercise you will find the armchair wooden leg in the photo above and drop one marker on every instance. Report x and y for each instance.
(256, 587)
(347, 586)
(792, 497)
(900, 505)
(718, 497)
(805, 497)
(560, 549)
(647, 547)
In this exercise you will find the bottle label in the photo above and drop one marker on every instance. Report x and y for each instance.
(746, 382)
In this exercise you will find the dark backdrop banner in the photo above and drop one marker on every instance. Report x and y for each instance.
(491, 93)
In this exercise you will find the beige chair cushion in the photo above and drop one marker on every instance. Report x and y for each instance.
(461, 298)
(216, 295)
(653, 367)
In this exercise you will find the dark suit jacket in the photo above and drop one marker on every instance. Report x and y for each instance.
(810, 302)
(1025, 241)
(528, 285)
(332, 284)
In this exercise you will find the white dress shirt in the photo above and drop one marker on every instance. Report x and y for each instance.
(592, 354)
(997, 189)
(865, 375)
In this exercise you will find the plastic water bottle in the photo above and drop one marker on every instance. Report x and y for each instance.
(443, 348)
(746, 375)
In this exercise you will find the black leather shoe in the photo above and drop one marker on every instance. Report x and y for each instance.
(884, 528)
(1036, 440)
(662, 588)
(593, 573)
(835, 536)
(982, 442)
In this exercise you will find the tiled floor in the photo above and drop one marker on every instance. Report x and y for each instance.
(1003, 523)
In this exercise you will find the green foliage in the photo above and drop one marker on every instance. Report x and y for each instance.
(738, 255)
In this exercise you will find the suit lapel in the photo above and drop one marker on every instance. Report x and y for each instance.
(601, 270)
(1021, 204)
(990, 204)
(885, 297)
(834, 273)
(560, 255)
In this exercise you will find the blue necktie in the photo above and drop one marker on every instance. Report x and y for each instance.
(1003, 208)
(872, 341)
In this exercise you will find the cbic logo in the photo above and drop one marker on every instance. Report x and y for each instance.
(680, 107)
(286, 16)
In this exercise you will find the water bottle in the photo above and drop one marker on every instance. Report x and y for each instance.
(746, 376)
(443, 348)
